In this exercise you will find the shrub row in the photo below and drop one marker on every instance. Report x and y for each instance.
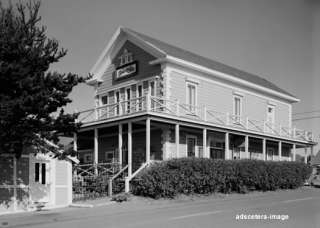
(203, 176)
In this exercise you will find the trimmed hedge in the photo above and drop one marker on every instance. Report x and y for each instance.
(203, 176)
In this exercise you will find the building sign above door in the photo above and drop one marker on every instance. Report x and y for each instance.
(127, 66)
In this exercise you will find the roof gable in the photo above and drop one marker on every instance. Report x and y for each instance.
(209, 63)
(161, 49)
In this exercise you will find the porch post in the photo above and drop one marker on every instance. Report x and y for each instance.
(95, 150)
(226, 147)
(148, 140)
(280, 150)
(306, 155)
(120, 144)
(311, 150)
(129, 149)
(264, 148)
(177, 133)
(246, 146)
(294, 152)
(204, 143)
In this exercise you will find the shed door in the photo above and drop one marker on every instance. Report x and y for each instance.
(39, 180)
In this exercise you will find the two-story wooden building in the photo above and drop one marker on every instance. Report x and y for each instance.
(155, 101)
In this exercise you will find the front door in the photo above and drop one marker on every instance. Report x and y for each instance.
(39, 179)
(191, 146)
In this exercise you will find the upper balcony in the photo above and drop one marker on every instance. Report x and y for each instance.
(201, 114)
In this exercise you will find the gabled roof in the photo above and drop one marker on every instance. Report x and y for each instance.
(167, 50)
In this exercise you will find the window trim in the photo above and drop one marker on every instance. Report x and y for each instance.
(108, 99)
(237, 119)
(188, 83)
(139, 98)
(274, 113)
(40, 172)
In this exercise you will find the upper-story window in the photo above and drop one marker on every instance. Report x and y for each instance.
(191, 96)
(125, 58)
(237, 108)
(271, 115)
(127, 66)
(105, 100)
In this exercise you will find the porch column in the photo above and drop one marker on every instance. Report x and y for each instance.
(120, 144)
(129, 149)
(280, 150)
(294, 152)
(264, 148)
(95, 150)
(226, 147)
(306, 155)
(148, 140)
(204, 143)
(246, 147)
(177, 133)
(311, 151)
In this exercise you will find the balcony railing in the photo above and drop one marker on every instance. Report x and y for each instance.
(200, 113)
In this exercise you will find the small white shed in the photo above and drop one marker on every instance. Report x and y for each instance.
(34, 179)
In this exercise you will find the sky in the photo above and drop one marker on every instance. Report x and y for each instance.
(278, 40)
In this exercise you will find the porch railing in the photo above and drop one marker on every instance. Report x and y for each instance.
(91, 180)
(201, 113)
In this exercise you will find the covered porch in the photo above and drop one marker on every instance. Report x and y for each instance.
(133, 143)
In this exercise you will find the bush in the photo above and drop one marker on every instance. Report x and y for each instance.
(204, 176)
(120, 197)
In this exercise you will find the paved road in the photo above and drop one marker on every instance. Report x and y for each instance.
(301, 206)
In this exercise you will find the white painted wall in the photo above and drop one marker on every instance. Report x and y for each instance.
(218, 96)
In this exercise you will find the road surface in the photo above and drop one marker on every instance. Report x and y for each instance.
(295, 208)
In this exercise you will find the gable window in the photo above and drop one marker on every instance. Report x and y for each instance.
(125, 58)
(191, 96)
(237, 109)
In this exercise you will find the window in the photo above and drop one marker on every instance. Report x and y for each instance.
(117, 100)
(43, 173)
(37, 172)
(152, 91)
(191, 97)
(125, 58)
(270, 117)
(128, 97)
(40, 172)
(237, 109)
(104, 100)
(139, 95)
